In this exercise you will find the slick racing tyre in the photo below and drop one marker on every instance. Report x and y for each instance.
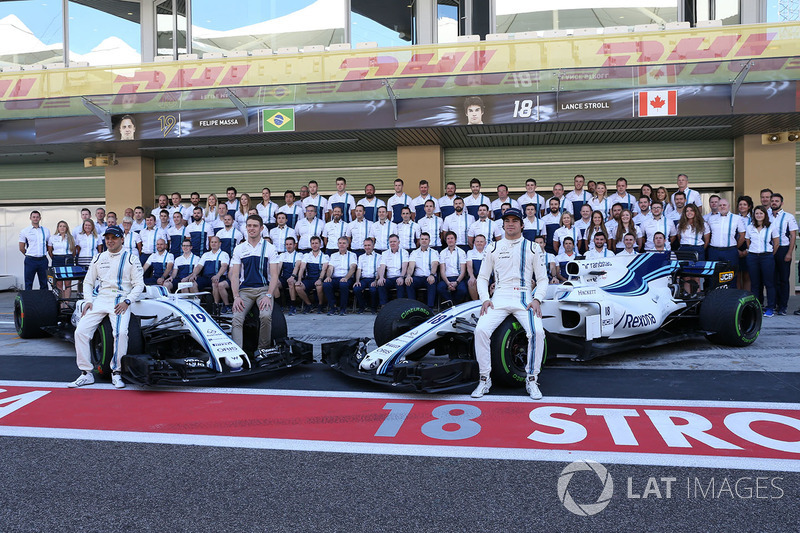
(732, 317)
(398, 317)
(251, 325)
(509, 349)
(102, 348)
(34, 310)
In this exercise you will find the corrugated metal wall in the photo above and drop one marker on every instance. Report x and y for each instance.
(709, 164)
(278, 172)
(51, 182)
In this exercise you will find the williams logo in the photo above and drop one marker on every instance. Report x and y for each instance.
(278, 119)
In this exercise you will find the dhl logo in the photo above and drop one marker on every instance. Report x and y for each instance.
(430, 68)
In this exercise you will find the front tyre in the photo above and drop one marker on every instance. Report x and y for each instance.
(34, 310)
(509, 349)
(398, 317)
(102, 348)
(732, 317)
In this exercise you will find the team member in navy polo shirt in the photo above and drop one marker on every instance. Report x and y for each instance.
(397, 202)
(292, 209)
(290, 261)
(232, 203)
(476, 199)
(579, 196)
(161, 262)
(199, 231)
(254, 277)
(343, 200)
(423, 263)
(177, 234)
(33, 245)
(446, 201)
(418, 203)
(230, 235)
(212, 267)
(341, 270)
(371, 203)
(183, 268)
(311, 273)
(366, 275)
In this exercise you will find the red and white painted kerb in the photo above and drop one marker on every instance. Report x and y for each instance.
(752, 436)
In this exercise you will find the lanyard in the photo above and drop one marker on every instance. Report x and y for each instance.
(319, 209)
(202, 237)
(164, 262)
(388, 232)
(766, 238)
(341, 229)
(216, 262)
(155, 239)
(430, 263)
(465, 229)
(316, 223)
(410, 234)
(730, 221)
(261, 262)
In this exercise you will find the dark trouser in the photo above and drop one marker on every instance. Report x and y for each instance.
(762, 274)
(344, 291)
(457, 296)
(391, 283)
(421, 282)
(782, 272)
(35, 267)
(365, 286)
(729, 255)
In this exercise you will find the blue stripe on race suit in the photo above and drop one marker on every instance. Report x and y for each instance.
(116, 336)
(529, 366)
(194, 326)
(388, 364)
(121, 268)
(522, 266)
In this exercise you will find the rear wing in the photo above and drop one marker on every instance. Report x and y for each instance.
(68, 273)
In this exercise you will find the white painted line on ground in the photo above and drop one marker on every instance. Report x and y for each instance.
(696, 461)
(418, 396)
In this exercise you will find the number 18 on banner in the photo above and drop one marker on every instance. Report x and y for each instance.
(658, 103)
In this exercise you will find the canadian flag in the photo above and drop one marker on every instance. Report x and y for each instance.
(658, 103)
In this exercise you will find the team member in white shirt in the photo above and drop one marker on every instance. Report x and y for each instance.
(531, 197)
(567, 229)
(182, 269)
(693, 232)
(628, 252)
(267, 209)
(312, 272)
(280, 233)
(212, 213)
(150, 235)
(86, 214)
(340, 273)
(692, 197)
(476, 198)
(366, 277)
(87, 243)
(713, 207)
(582, 224)
(549, 261)
(432, 225)
(787, 231)
(763, 241)
(727, 234)
(459, 223)
(392, 270)
(452, 286)
(382, 229)
(118, 276)
(675, 209)
(132, 242)
(423, 264)
(567, 254)
(334, 229)
(33, 245)
(578, 197)
(163, 203)
(446, 201)
(474, 260)
(138, 219)
(598, 249)
(657, 222)
(319, 202)
(502, 198)
(100, 222)
(290, 261)
(418, 203)
(61, 248)
(194, 201)
(623, 197)
(397, 202)
(407, 231)
(308, 227)
(358, 230)
(644, 211)
(370, 203)
(601, 202)
(491, 229)
(232, 202)
(517, 264)
(343, 200)
(163, 222)
(558, 194)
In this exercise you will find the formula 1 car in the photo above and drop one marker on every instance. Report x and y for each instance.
(172, 338)
(606, 306)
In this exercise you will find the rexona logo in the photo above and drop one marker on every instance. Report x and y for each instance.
(585, 509)
(639, 321)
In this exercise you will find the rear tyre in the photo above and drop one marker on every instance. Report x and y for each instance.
(509, 349)
(733, 317)
(34, 310)
(280, 330)
(398, 317)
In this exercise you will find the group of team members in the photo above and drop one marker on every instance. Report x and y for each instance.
(367, 247)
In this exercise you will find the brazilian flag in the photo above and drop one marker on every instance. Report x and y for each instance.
(278, 119)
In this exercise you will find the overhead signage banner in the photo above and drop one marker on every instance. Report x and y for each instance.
(432, 66)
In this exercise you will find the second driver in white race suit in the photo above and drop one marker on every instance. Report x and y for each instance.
(518, 266)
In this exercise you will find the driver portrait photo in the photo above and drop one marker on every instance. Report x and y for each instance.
(474, 109)
(127, 128)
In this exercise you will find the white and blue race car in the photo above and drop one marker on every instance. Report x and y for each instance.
(606, 306)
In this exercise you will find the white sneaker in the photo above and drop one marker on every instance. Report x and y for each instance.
(116, 379)
(533, 388)
(484, 384)
(83, 379)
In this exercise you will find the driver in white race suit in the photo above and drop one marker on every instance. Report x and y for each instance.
(516, 264)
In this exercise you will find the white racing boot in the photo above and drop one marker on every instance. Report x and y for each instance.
(533, 388)
(484, 384)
